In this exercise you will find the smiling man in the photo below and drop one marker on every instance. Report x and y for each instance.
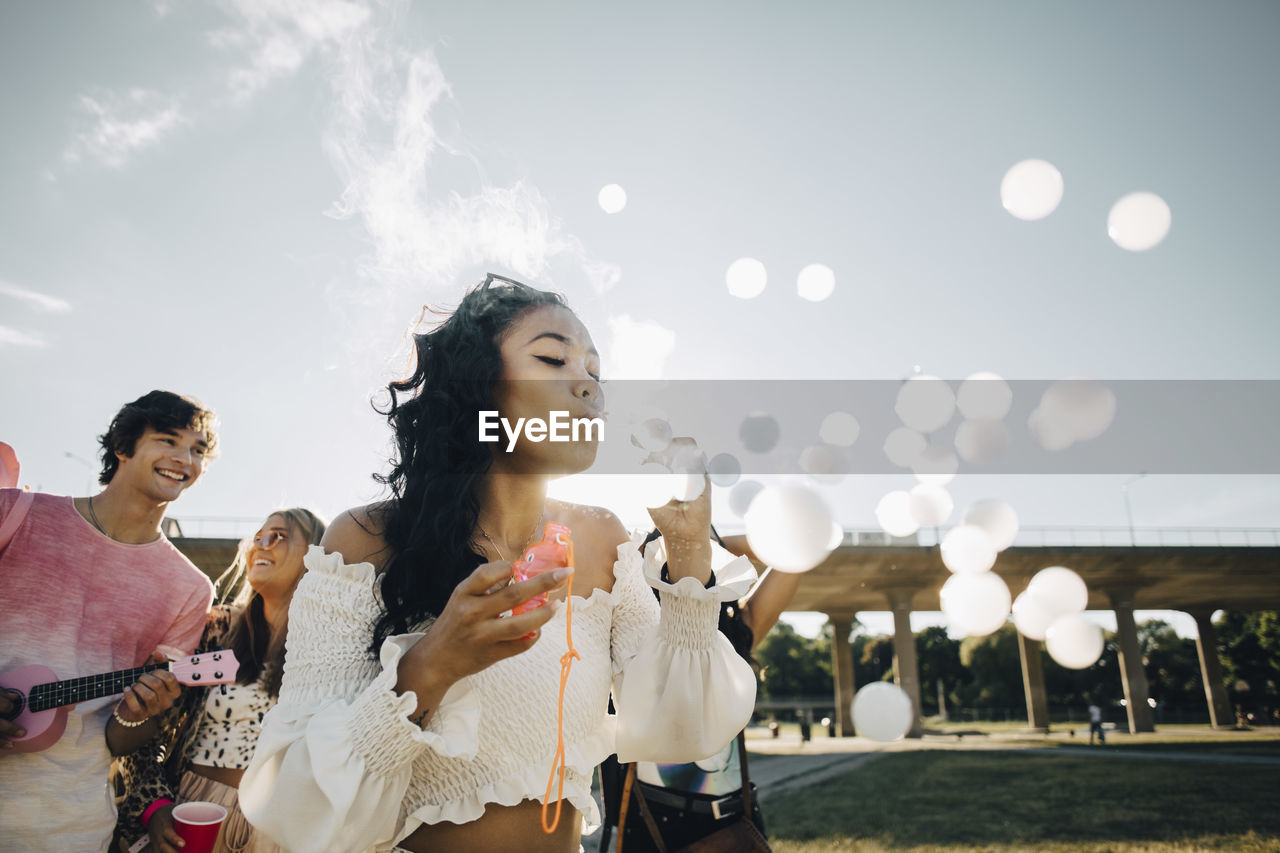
(90, 586)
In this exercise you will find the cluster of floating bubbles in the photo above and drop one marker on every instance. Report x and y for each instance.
(1032, 189)
(746, 279)
(1051, 609)
(974, 599)
(882, 712)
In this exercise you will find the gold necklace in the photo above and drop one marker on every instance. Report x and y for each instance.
(93, 516)
(527, 542)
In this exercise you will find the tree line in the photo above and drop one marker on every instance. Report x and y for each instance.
(984, 673)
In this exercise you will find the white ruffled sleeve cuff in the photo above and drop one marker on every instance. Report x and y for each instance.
(381, 732)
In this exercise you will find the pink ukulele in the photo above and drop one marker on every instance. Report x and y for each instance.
(42, 708)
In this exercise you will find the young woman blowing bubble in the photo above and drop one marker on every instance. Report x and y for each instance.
(417, 710)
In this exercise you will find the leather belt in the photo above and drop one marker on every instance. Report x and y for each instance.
(729, 804)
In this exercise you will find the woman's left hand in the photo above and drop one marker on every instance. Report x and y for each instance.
(686, 532)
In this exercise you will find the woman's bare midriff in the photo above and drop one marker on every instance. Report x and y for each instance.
(517, 827)
(226, 775)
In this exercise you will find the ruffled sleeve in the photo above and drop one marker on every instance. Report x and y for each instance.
(680, 689)
(334, 758)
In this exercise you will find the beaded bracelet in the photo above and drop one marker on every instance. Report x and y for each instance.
(115, 713)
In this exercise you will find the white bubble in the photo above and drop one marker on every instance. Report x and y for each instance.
(925, 403)
(1031, 189)
(1060, 589)
(759, 432)
(1049, 432)
(741, 496)
(746, 278)
(653, 435)
(816, 282)
(982, 440)
(984, 395)
(903, 445)
(837, 536)
(930, 504)
(656, 485)
(997, 518)
(1032, 617)
(935, 464)
(612, 198)
(725, 469)
(968, 548)
(789, 528)
(823, 460)
(1084, 408)
(839, 429)
(975, 604)
(882, 712)
(1074, 642)
(1139, 221)
(893, 512)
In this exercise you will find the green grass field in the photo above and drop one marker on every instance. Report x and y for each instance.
(926, 801)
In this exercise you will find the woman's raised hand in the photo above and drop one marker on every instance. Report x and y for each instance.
(472, 633)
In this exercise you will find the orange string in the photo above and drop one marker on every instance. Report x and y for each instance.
(566, 661)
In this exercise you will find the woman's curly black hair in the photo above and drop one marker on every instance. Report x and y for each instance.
(428, 522)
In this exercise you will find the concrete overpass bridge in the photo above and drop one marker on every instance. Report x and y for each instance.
(1193, 570)
(1197, 571)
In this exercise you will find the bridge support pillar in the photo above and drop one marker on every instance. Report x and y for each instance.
(906, 670)
(1033, 683)
(1132, 674)
(842, 670)
(1215, 692)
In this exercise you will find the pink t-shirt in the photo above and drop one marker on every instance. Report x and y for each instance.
(82, 604)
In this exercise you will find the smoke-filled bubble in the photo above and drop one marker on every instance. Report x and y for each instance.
(837, 536)
(759, 432)
(816, 282)
(893, 513)
(997, 518)
(881, 712)
(935, 464)
(981, 441)
(1074, 642)
(839, 429)
(1084, 407)
(653, 435)
(823, 461)
(903, 445)
(741, 496)
(1139, 221)
(789, 528)
(1032, 616)
(1031, 189)
(975, 604)
(1059, 589)
(968, 548)
(746, 278)
(725, 469)
(925, 403)
(931, 504)
(984, 395)
(1050, 432)
(612, 198)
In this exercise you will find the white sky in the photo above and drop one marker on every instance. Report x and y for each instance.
(250, 201)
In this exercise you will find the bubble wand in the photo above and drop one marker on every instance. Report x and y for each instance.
(555, 550)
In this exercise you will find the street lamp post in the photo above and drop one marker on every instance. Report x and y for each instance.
(1128, 510)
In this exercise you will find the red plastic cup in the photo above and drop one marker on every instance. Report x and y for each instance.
(197, 824)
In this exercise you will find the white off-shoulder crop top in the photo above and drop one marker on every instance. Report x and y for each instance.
(340, 767)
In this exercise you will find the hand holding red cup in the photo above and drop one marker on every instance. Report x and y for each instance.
(197, 824)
